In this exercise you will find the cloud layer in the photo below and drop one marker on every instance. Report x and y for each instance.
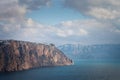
(15, 10)
(79, 31)
(101, 27)
(101, 9)
(10, 11)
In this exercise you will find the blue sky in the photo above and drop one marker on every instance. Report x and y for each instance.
(61, 21)
(54, 14)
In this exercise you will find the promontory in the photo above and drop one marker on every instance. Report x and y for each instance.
(22, 55)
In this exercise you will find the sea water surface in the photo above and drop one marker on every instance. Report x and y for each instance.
(81, 70)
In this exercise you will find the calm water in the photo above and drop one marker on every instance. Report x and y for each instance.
(81, 70)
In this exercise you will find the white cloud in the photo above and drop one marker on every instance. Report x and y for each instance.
(65, 33)
(11, 11)
(14, 24)
(82, 32)
(99, 9)
(86, 31)
(30, 22)
(102, 13)
(68, 23)
(103, 23)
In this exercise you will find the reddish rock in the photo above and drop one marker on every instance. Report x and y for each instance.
(21, 55)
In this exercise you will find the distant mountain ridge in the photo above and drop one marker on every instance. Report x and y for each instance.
(22, 55)
(103, 51)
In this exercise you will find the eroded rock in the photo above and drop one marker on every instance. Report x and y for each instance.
(21, 55)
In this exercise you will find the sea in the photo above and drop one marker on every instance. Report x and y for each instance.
(80, 70)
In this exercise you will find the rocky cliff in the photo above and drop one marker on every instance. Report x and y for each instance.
(21, 55)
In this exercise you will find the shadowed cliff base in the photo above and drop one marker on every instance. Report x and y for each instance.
(22, 55)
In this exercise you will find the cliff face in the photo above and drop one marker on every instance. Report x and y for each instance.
(20, 55)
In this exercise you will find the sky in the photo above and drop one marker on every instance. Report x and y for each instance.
(61, 21)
